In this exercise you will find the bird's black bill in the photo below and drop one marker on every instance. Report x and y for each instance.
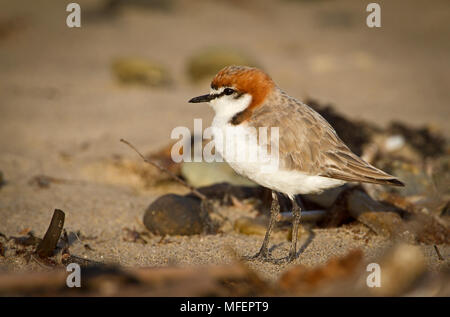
(204, 98)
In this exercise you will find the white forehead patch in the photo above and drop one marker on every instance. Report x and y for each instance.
(217, 91)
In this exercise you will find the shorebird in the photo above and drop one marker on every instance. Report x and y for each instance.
(312, 157)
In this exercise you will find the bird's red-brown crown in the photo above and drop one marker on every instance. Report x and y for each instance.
(245, 80)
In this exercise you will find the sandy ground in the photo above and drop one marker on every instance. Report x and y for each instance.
(61, 110)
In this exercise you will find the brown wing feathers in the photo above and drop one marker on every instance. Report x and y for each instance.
(309, 144)
(350, 167)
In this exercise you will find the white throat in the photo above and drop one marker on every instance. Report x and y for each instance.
(226, 107)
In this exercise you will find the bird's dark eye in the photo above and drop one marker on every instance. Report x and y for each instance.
(228, 91)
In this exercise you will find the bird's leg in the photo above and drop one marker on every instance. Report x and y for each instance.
(274, 212)
(263, 253)
(296, 213)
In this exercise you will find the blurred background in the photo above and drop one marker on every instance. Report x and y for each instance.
(67, 95)
(59, 88)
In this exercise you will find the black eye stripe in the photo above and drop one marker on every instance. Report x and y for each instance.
(238, 95)
(225, 92)
(214, 96)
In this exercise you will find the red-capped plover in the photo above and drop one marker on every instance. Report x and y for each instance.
(311, 156)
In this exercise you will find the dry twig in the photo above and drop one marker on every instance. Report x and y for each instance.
(162, 169)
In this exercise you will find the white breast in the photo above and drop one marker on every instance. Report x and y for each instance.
(243, 140)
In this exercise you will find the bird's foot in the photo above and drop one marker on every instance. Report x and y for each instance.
(262, 256)
(287, 259)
